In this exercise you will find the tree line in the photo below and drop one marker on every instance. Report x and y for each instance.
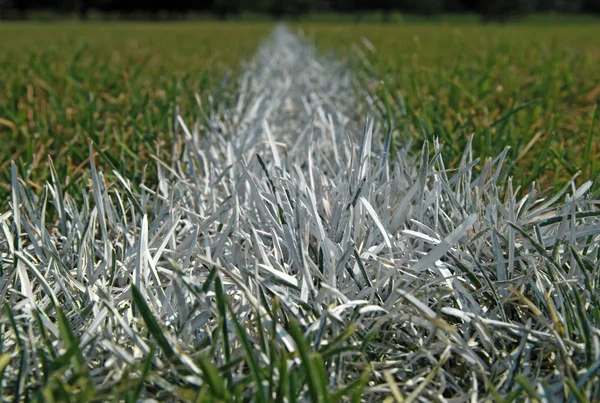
(489, 10)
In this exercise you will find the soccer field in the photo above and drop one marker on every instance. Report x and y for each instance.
(301, 212)
(533, 86)
(117, 84)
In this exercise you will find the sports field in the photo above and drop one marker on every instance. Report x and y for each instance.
(309, 211)
(117, 84)
(531, 86)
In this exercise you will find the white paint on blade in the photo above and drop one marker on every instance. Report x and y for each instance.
(289, 191)
(290, 99)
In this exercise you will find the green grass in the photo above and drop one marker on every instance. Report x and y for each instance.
(532, 85)
(115, 83)
(170, 283)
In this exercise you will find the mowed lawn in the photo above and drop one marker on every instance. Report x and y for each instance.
(472, 299)
(115, 83)
(533, 86)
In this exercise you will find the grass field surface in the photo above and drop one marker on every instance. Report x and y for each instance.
(532, 86)
(114, 83)
(293, 244)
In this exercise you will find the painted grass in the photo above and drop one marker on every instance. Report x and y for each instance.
(287, 255)
(115, 83)
(532, 86)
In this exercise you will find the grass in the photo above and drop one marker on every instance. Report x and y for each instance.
(115, 83)
(281, 263)
(533, 86)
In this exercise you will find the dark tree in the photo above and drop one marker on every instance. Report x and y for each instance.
(201, 5)
(387, 7)
(344, 6)
(298, 8)
(562, 6)
(4, 6)
(592, 6)
(490, 10)
(82, 8)
(504, 10)
(225, 8)
(22, 7)
(277, 9)
(454, 6)
(423, 7)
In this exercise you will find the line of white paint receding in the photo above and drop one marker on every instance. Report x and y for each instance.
(287, 193)
(291, 99)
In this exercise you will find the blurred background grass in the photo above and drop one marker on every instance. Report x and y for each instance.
(533, 85)
(116, 83)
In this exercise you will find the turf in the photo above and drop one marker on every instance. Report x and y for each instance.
(287, 255)
(532, 85)
(115, 83)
